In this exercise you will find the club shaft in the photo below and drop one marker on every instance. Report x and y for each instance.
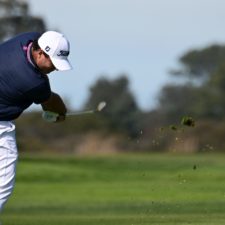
(80, 113)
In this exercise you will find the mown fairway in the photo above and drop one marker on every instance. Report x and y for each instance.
(118, 190)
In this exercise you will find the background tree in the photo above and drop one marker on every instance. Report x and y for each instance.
(15, 18)
(203, 87)
(200, 63)
(177, 100)
(122, 112)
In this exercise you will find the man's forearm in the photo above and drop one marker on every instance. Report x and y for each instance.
(55, 104)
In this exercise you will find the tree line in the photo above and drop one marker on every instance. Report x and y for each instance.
(196, 89)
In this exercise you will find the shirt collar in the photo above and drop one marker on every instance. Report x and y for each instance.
(28, 50)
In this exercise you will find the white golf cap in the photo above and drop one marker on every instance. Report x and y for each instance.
(57, 47)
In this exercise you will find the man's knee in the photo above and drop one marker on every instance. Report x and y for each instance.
(7, 179)
(8, 160)
(2, 203)
(6, 190)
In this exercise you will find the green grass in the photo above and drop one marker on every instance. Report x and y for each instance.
(118, 190)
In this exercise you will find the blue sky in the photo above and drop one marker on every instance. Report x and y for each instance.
(142, 38)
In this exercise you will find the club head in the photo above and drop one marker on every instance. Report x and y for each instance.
(101, 106)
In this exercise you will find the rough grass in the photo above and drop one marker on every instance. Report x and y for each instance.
(118, 190)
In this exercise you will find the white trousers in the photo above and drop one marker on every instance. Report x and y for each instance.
(8, 159)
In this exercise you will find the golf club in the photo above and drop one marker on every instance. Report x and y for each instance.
(99, 108)
(52, 116)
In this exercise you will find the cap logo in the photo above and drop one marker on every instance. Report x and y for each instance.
(47, 48)
(63, 53)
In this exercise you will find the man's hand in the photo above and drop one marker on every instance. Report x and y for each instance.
(61, 118)
(52, 116)
(54, 109)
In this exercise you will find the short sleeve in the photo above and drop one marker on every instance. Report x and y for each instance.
(39, 94)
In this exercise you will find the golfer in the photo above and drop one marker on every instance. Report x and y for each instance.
(25, 61)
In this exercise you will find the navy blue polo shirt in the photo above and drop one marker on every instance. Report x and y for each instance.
(21, 84)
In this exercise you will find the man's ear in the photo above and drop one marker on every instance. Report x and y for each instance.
(37, 53)
(40, 52)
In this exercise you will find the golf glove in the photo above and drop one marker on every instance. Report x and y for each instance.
(50, 116)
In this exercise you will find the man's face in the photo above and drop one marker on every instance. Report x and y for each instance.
(44, 62)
